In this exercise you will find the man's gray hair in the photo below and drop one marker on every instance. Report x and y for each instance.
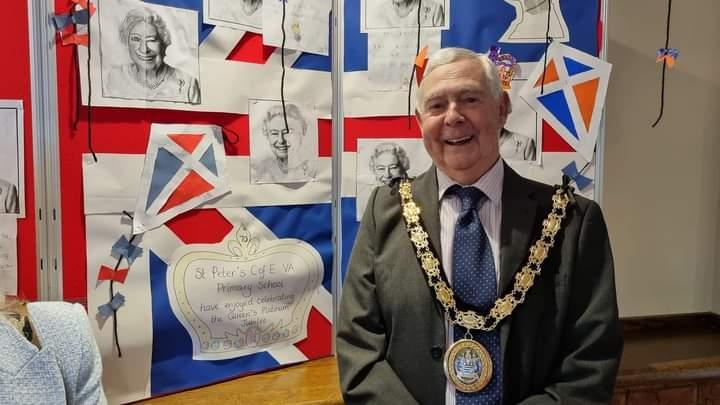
(446, 56)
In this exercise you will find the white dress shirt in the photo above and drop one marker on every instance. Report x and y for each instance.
(490, 213)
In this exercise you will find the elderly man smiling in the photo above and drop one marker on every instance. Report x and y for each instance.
(443, 303)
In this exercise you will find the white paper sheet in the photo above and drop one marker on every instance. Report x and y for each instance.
(8, 255)
(380, 160)
(551, 170)
(531, 22)
(105, 192)
(12, 159)
(148, 52)
(276, 156)
(523, 121)
(220, 43)
(238, 14)
(307, 25)
(127, 378)
(388, 15)
(391, 56)
(256, 81)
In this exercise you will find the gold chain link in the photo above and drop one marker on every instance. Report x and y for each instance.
(524, 279)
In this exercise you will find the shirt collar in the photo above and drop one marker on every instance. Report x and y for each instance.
(489, 183)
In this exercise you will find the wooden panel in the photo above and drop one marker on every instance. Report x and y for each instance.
(685, 395)
(710, 393)
(313, 382)
(619, 398)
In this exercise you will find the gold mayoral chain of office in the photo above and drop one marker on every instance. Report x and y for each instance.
(467, 363)
(524, 279)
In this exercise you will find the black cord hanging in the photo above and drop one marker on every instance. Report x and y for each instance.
(75, 68)
(664, 66)
(412, 73)
(548, 41)
(112, 292)
(89, 100)
(282, 62)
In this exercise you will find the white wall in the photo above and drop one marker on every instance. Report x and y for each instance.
(662, 185)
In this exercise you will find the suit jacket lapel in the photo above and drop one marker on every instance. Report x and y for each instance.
(518, 217)
(425, 193)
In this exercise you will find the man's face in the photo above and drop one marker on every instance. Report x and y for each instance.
(387, 167)
(284, 144)
(145, 47)
(403, 7)
(461, 120)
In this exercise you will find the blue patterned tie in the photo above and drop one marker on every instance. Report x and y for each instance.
(475, 283)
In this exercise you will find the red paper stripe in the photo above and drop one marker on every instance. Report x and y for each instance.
(319, 340)
(378, 127)
(552, 141)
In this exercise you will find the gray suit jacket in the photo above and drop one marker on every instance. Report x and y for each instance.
(561, 346)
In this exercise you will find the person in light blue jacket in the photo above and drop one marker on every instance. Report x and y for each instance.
(48, 356)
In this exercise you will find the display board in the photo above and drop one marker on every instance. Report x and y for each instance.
(18, 245)
(199, 174)
(197, 224)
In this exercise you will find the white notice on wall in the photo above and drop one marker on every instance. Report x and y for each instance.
(391, 56)
(307, 25)
(8, 255)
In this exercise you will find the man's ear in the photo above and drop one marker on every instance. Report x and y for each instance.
(418, 117)
(505, 107)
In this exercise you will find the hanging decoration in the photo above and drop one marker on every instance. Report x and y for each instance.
(184, 167)
(505, 63)
(420, 63)
(121, 249)
(65, 23)
(568, 91)
(107, 310)
(572, 172)
(668, 56)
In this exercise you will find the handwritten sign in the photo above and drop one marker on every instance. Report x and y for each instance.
(254, 296)
(8, 255)
(391, 56)
(307, 25)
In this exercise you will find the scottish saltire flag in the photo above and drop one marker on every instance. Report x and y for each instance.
(569, 93)
(184, 167)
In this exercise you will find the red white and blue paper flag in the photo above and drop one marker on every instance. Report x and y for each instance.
(159, 355)
(257, 299)
(184, 167)
(569, 93)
